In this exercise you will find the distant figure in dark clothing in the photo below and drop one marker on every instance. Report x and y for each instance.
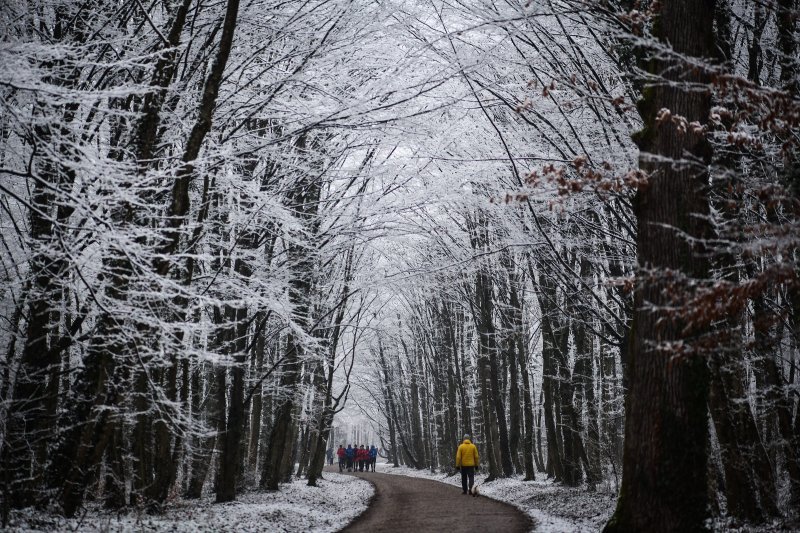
(350, 453)
(373, 457)
(466, 461)
(330, 456)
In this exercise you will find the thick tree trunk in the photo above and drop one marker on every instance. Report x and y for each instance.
(664, 486)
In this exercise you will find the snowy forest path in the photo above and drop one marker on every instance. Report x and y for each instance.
(403, 503)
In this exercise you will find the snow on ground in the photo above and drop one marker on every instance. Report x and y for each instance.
(295, 508)
(553, 507)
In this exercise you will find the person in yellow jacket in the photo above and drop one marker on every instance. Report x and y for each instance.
(467, 460)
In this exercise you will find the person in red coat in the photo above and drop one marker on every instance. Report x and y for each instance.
(342, 458)
(363, 455)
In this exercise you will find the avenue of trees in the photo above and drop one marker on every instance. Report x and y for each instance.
(568, 228)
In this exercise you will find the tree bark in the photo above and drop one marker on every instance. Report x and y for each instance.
(664, 485)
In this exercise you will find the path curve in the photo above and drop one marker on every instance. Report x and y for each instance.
(415, 505)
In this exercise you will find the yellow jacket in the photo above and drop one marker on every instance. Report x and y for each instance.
(467, 454)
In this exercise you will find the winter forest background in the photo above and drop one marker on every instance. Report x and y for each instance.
(566, 227)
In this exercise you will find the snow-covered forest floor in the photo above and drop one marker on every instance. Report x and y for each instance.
(296, 507)
(553, 507)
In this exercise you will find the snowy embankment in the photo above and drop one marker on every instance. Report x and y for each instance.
(336, 502)
(553, 507)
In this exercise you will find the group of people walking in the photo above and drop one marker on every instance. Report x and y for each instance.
(360, 458)
(357, 458)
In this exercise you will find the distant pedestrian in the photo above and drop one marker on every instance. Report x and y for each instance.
(373, 457)
(466, 461)
(342, 459)
(362, 458)
(330, 456)
(350, 453)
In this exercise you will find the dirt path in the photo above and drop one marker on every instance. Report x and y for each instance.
(416, 505)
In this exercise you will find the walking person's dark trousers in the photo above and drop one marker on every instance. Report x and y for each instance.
(467, 474)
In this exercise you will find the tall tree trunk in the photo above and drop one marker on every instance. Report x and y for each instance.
(555, 466)
(390, 410)
(487, 343)
(461, 376)
(749, 479)
(203, 447)
(231, 448)
(416, 422)
(518, 338)
(515, 430)
(256, 411)
(755, 61)
(664, 486)
(584, 374)
(487, 412)
(450, 366)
